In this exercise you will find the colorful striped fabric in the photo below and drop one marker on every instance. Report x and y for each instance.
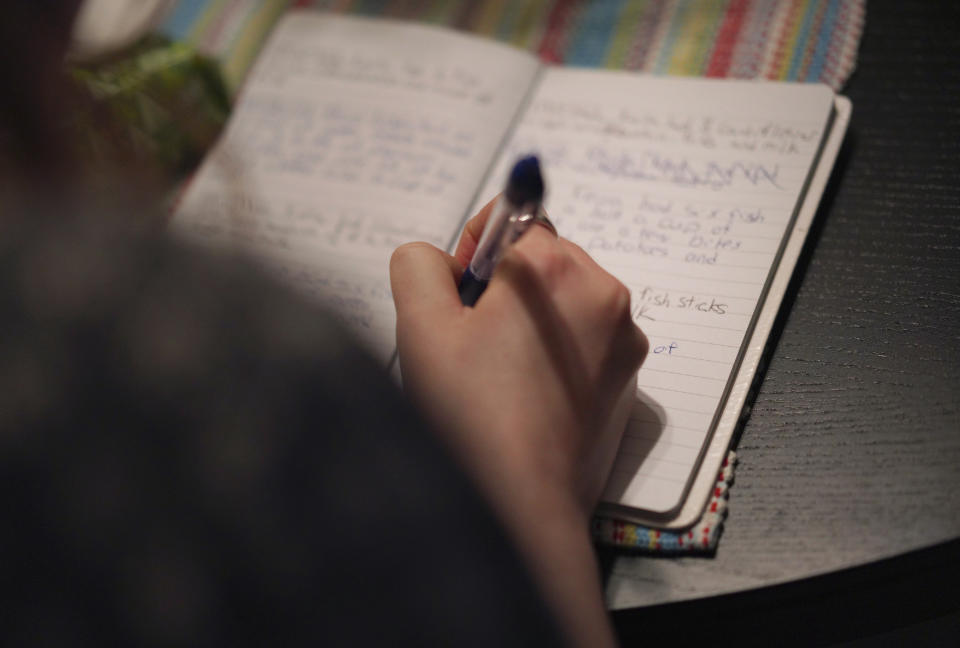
(795, 40)
(231, 31)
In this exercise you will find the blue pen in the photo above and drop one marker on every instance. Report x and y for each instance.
(514, 212)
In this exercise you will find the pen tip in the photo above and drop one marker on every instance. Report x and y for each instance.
(526, 183)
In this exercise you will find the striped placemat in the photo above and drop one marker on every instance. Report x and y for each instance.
(795, 40)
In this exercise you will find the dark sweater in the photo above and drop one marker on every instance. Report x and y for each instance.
(190, 455)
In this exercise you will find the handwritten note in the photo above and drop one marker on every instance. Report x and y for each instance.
(352, 137)
(683, 190)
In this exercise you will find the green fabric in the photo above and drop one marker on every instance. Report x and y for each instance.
(167, 99)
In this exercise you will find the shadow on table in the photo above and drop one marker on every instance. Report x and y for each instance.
(912, 596)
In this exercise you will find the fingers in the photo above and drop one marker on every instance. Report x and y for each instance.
(551, 259)
(612, 292)
(551, 278)
(424, 282)
(471, 234)
(473, 230)
(595, 305)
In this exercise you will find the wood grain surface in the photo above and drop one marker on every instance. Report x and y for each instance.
(852, 451)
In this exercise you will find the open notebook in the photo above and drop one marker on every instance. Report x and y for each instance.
(355, 135)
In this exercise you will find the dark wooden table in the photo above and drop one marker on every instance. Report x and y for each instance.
(845, 515)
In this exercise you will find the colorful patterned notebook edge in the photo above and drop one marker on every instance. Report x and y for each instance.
(701, 538)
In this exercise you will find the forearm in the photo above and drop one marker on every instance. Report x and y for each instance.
(523, 388)
(553, 536)
(546, 518)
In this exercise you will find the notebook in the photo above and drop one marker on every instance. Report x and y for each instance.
(354, 135)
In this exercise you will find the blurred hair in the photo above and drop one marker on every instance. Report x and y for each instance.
(48, 172)
(34, 36)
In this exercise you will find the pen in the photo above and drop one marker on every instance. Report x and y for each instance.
(517, 208)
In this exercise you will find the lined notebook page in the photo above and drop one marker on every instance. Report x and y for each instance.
(684, 190)
(351, 137)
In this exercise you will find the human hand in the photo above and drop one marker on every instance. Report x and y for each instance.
(524, 384)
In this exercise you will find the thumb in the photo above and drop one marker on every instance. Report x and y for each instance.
(424, 282)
